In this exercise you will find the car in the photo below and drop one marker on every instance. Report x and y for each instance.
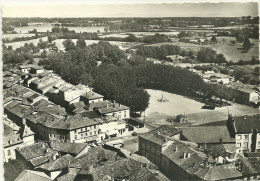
(208, 107)
(134, 134)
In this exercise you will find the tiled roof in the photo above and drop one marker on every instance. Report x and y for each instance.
(215, 150)
(113, 108)
(29, 175)
(92, 95)
(32, 151)
(99, 105)
(175, 152)
(145, 174)
(73, 148)
(158, 135)
(209, 134)
(93, 157)
(59, 163)
(220, 172)
(250, 165)
(246, 125)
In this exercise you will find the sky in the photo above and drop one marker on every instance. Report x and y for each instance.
(48, 9)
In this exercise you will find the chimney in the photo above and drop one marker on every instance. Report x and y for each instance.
(244, 116)
(205, 145)
(206, 162)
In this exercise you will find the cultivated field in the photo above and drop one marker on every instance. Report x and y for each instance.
(16, 45)
(232, 53)
(12, 36)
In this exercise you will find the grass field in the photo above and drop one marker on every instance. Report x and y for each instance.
(232, 53)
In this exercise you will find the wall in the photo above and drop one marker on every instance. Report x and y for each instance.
(82, 133)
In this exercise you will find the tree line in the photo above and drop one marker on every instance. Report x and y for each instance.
(122, 79)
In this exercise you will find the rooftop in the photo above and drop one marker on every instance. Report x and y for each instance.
(245, 124)
(72, 148)
(29, 175)
(209, 134)
(158, 135)
(92, 95)
(33, 151)
(58, 164)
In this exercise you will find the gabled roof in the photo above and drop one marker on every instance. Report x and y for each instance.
(93, 157)
(158, 135)
(92, 95)
(220, 172)
(58, 164)
(245, 124)
(209, 134)
(72, 148)
(29, 175)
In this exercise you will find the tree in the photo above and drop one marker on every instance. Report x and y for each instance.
(81, 43)
(214, 39)
(68, 44)
(240, 37)
(106, 29)
(247, 44)
(50, 38)
(131, 38)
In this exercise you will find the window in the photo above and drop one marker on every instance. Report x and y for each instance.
(239, 137)
(82, 129)
(86, 134)
(75, 131)
(75, 137)
(125, 115)
(53, 135)
(245, 136)
(9, 152)
(95, 132)
(238, 144)
(94, 126)
(90, 133)
(245, 144)
(81, 135)
(92, 101)
(50, 135)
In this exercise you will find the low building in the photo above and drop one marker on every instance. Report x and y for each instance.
(245, 130)
(151, 144)
(91, 97)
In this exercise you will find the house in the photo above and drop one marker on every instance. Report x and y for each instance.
(91, 97)
(30, 68)
(176, 58)
(152, 143)
(181, 118)
(63, 128)
(245, 130)
(110, 127)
